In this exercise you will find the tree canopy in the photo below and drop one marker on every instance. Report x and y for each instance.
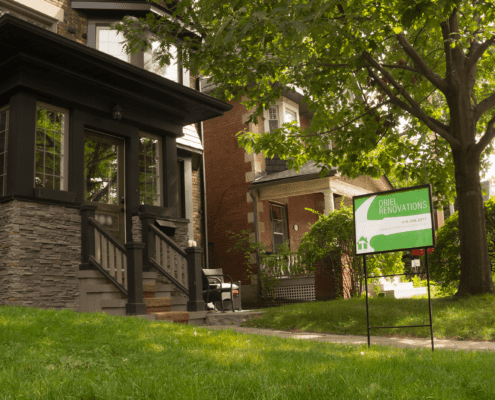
(394, 85)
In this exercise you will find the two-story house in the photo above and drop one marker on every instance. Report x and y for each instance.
(251, 192)
(99, 151)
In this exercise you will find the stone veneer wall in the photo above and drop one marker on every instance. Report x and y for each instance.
(40, 248)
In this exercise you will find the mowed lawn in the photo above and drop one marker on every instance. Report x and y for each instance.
(461, 319)
(48, 354)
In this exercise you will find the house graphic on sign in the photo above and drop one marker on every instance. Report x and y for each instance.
(362, 243)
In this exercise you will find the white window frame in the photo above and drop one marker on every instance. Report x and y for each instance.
(4, 187)
(64, 164)
(159, 166)
(282, 105)
(174, 63)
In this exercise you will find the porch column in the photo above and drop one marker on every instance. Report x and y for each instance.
(135, 303)
(329, 202)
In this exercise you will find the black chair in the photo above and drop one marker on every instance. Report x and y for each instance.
(215, 290)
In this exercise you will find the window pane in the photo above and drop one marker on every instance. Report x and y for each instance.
(290, 116)
(112, 42)
(49, 147)
(100, 171)
(149, 173)
(152, 63)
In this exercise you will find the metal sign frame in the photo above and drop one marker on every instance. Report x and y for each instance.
(412, 273)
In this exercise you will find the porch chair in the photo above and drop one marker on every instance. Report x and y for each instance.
(215, 290)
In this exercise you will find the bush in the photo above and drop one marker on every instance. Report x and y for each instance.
(332, 235)
(445, 261)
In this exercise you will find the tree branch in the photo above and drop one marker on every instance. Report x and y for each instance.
(447, 50)
(477, 50)
(427, 72)
(485, 139)
(412, 108)
(406, 67)
(484, 106)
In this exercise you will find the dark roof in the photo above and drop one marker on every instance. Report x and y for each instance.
(105, 78)
(307, 172)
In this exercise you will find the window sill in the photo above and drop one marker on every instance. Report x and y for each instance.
(52, 194)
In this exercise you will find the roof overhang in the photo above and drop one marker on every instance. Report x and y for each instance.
(39, 60)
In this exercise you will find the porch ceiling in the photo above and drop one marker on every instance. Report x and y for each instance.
(317, 185)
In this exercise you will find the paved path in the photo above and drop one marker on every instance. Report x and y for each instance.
(349, 339)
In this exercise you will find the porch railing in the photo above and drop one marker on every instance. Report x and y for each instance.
(169, 259)
(281, 266)
(110, 254)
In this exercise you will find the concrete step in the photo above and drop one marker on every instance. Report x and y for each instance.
(197, 317)
(108, 291)
(92, 277)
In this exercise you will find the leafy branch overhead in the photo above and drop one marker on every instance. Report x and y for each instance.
(393, 87)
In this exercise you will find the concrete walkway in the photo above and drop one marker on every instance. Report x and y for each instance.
(439, 344)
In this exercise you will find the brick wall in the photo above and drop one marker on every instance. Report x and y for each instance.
(226, 189)
(40, 255)
(75, 24)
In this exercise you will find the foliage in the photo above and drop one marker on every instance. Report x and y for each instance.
(272, 265)
(394, 86)
(332, 235)
(445, 261)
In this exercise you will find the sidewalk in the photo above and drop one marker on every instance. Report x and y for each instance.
(375, 340)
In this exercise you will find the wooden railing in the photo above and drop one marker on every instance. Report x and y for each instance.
(110, 254)
(281, 266)
(169, 259)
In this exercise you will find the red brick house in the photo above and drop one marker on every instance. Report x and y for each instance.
(250, 192)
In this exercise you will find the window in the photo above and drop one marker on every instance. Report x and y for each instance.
(4, 134)
(273, 118)
(290, 116)
(111, 42)
(149, 169)
(51, 148)
(278, 220)
(181, 188)
(152, 64)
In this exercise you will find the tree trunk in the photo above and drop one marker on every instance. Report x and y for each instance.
(475, 275)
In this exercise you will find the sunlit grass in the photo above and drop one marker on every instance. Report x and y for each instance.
(47, 354)
(467, 318)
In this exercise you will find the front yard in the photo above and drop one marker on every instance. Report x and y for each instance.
(47, 354)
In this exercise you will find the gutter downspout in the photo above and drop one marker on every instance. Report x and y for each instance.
(257, 239)
(203, 187)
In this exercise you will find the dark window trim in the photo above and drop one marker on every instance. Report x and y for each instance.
(181, 188)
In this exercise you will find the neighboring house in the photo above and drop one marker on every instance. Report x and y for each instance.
(251, 192)
(86, 129)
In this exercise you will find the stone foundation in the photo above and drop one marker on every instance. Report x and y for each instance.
(40, 248)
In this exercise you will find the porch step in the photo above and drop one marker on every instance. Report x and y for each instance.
(174, 316)
(113, 306)
(157, 304)
(179, 303)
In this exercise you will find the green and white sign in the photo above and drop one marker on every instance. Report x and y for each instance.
(394, 220)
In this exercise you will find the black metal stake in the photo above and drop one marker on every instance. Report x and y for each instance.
(367, 301)
(429, 297)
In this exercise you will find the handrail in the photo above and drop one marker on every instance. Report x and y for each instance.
(107, 235)
(105, 273)
(166, 239)
(155, 265)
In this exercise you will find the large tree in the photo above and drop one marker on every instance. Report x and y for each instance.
(395, 85)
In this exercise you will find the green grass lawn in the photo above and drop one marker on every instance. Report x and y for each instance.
(467, 318)
(47, 354)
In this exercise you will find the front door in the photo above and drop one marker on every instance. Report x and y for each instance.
(104, 180)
